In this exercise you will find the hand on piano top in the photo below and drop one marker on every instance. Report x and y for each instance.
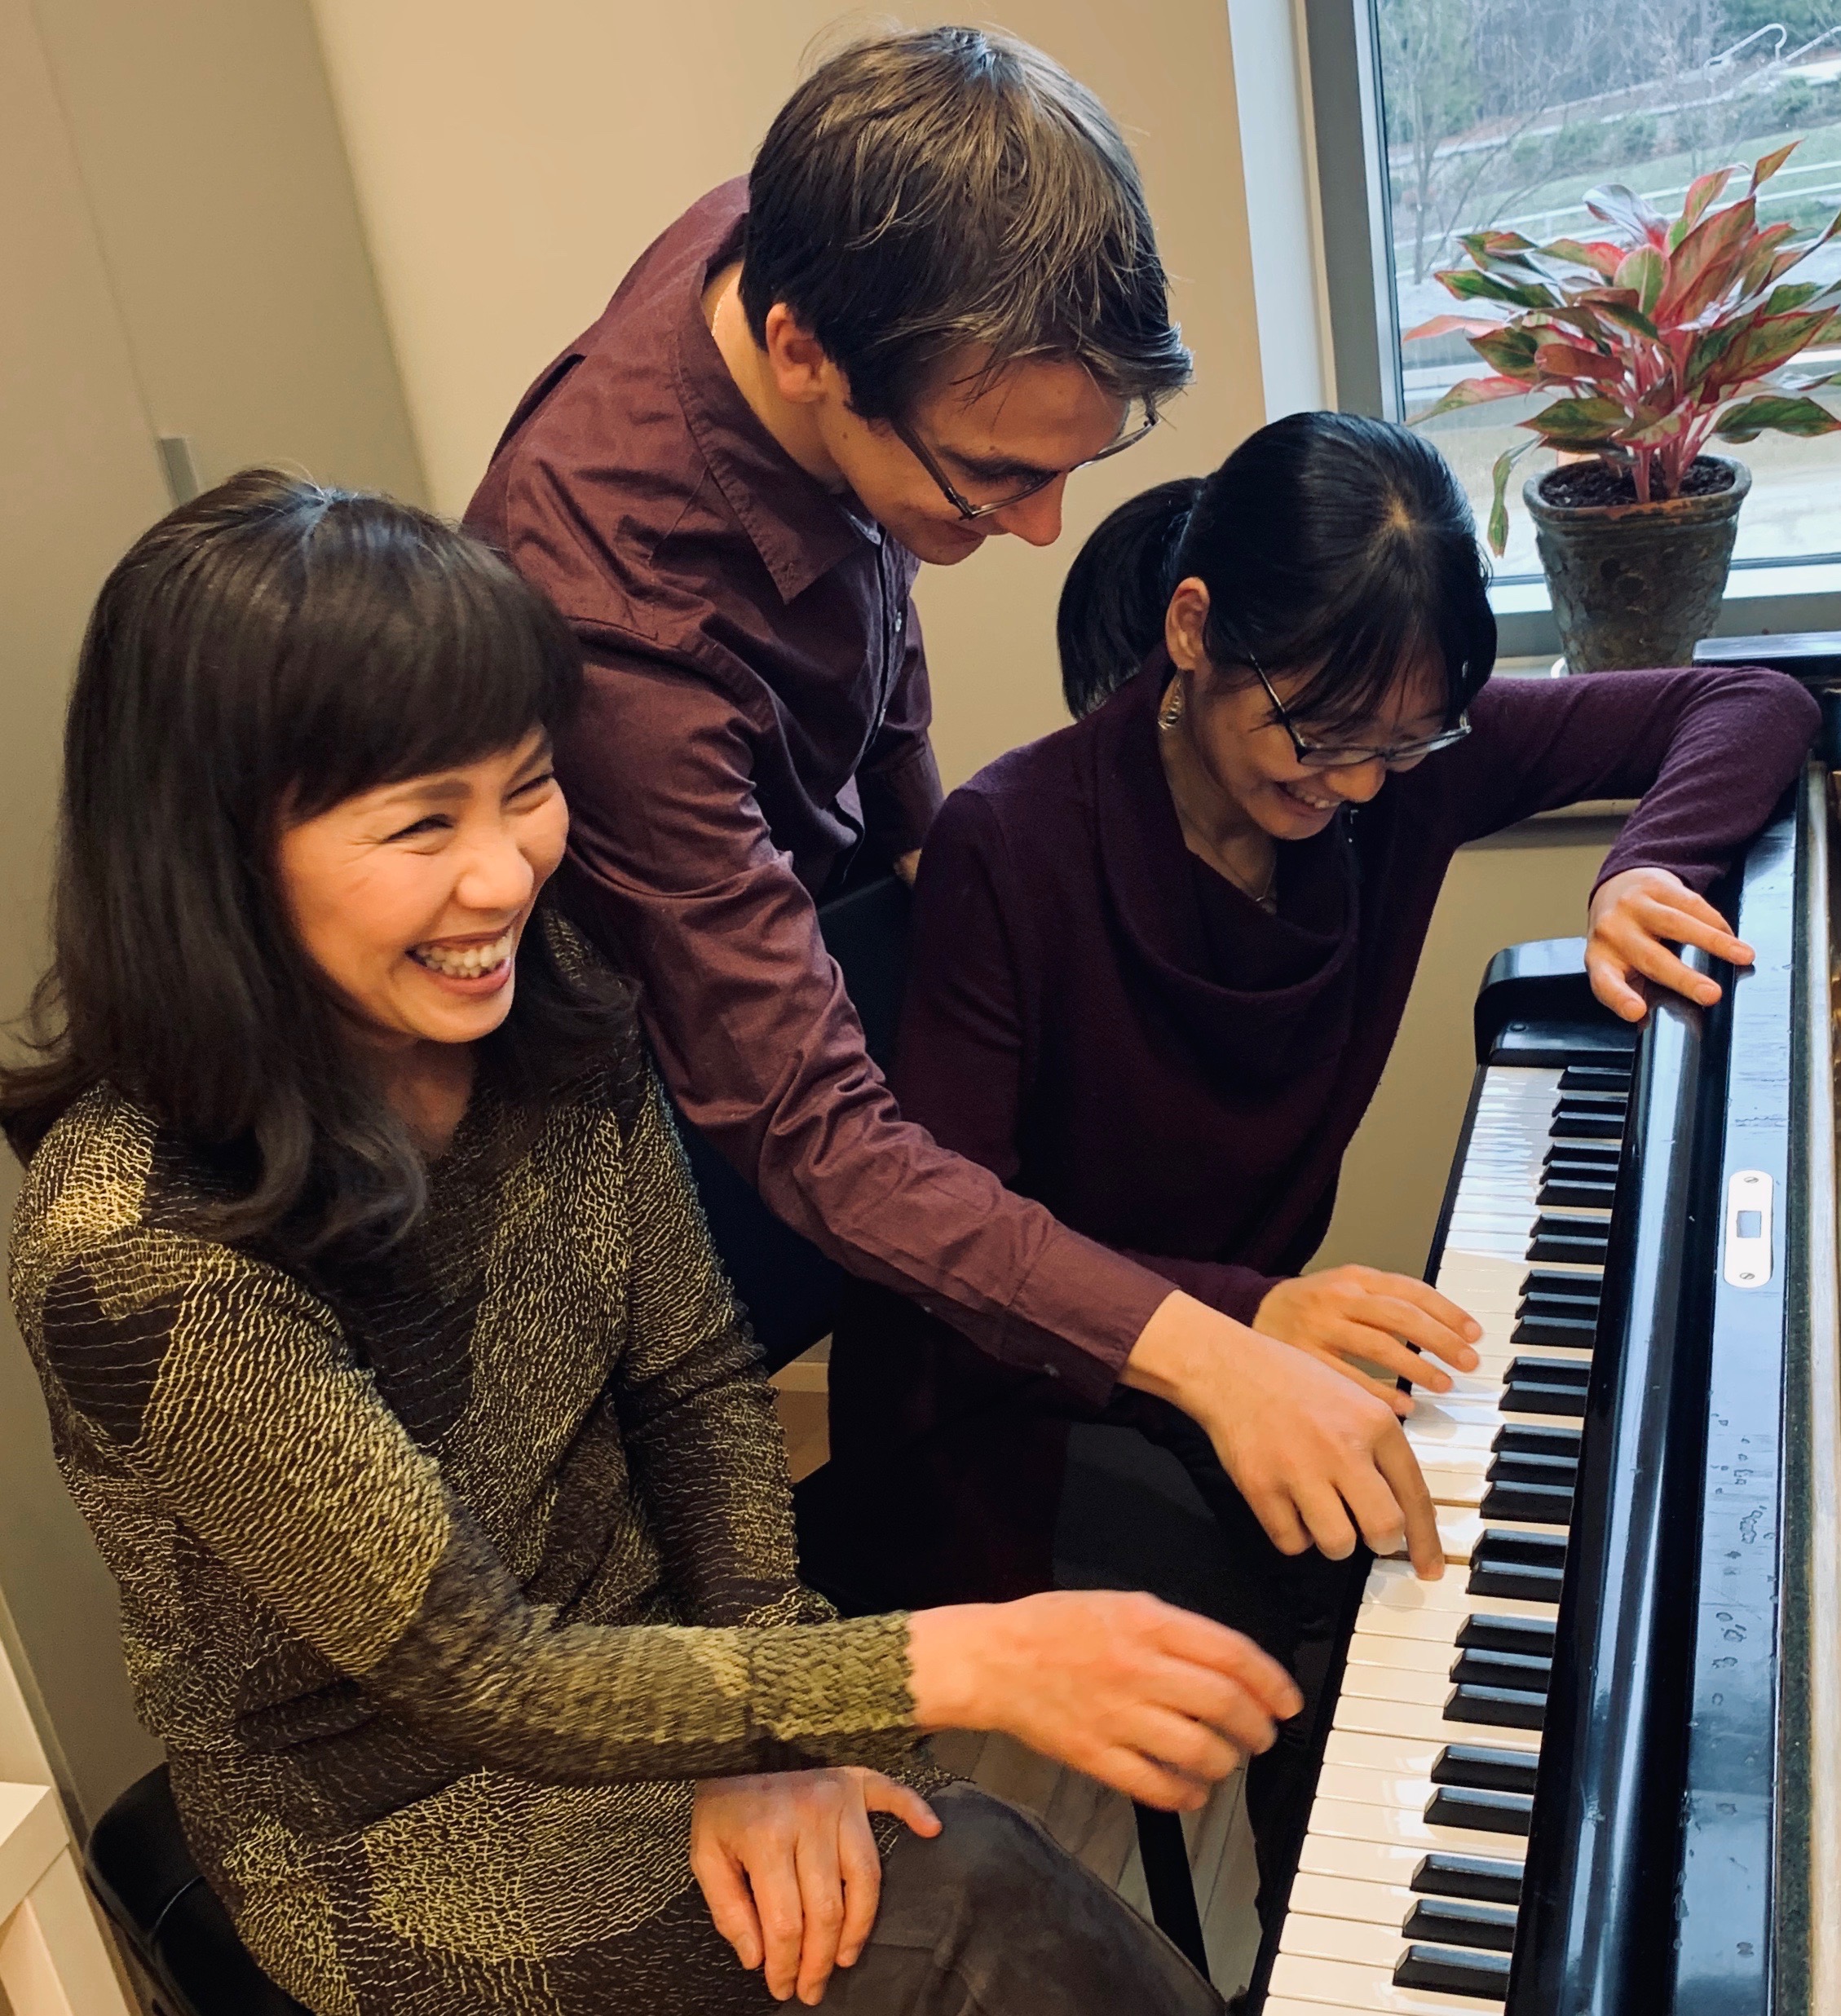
(1634, 919)
(1155, 1701)
(1349, 1316)
(1320, 1459)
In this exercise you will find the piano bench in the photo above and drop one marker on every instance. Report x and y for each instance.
(143, 1876)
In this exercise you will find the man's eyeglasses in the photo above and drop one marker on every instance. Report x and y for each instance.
(1129, 437)
(1335, 756)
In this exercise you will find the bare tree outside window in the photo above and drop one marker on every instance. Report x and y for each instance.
(1502, 113)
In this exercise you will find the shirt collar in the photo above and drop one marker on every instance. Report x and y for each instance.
(798, 527)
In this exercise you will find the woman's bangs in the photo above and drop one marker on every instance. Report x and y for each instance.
(426, 662)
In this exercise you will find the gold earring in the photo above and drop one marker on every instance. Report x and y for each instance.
(1171, 711)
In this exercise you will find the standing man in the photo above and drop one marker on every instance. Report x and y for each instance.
(937, 295)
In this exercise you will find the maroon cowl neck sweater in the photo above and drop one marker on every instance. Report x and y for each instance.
(1114, 1028)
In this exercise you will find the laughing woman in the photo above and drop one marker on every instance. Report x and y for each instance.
(1161, 956)
(386, 1358)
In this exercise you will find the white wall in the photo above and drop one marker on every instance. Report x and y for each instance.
(511, 161)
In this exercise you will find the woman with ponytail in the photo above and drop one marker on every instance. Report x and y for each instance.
(1161, 955)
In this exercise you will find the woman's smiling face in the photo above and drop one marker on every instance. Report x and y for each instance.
(411, 899)
(1245, 751)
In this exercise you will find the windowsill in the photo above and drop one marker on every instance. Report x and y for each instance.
(1749, 583)
(1759, 601)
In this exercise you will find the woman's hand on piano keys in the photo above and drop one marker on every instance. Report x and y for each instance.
(1634, 919)
(1155, 1701)
(1352, 1318)
(1319, 1458)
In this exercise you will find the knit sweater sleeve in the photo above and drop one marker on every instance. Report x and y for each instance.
(1707, 750)
(229, 1389)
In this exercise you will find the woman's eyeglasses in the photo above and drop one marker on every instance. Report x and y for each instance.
(1133, 433)
(1337, 756)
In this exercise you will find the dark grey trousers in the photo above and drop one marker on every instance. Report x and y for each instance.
(990, 1918)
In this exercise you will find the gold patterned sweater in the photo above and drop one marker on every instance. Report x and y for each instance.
(440, 1582)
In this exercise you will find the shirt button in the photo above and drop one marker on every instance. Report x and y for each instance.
(901, 621)
(1053, 1371)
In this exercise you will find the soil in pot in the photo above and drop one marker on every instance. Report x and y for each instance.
(1635, 583)
(1575, 483)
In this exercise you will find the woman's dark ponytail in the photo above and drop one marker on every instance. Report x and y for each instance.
(1332, 546)
(1112, 604)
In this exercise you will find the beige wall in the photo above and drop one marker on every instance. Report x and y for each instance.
(181, 250)
(1532, 883)
(511, 161)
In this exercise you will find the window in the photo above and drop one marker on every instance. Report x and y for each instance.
(1504, 113)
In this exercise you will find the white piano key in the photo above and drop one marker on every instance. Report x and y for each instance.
(1440, 1626)
(1341, 1897)
(1354, 1785)
(1360, 1942)
(1342, 1987)
(1414, 1655)
(1356, 1822)
(1396, 1683)
(1434, 1432)
(1454, 1487)
(1419, 1719)
(1368, 1861)
(1393, 1585)
(1387, 1754)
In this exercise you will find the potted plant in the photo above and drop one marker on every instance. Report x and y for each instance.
(1657, 338)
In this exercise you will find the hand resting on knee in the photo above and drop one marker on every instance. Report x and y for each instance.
(788, 1867)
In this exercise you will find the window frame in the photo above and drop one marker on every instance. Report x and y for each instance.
(1339, 45)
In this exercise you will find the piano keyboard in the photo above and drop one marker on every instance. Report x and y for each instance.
(1408, 1885)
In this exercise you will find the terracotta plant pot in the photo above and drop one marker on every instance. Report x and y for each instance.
(1636, 584)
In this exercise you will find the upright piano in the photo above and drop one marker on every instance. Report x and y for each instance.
(1597, 1767)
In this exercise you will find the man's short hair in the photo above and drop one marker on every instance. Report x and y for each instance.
(949, 189)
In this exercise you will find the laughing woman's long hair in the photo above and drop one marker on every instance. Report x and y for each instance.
(262, 653)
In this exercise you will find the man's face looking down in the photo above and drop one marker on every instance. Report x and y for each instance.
(1039, 417)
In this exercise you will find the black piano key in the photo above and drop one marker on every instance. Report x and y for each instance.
(1544, 1371)
(1568, 1402)
(1489, 1667)
(1533, 1467)
(1524, 1582)
(1522, 1438)
(1516, 1565)
(1549, 1283)
(1483, 1878)
(1453, 1971)
(1596, 1077)
(1546, 1385)
(1582, 1242)
(1484, 1769)
(1496, 1707)
(1450, 1921)
(1601, 1157)
(1586, 1126)
(1549, 1504)
(1583, 1192)
(1533, 1636)
(1504, 1544)
(1483, 1812)
(1572, 1333)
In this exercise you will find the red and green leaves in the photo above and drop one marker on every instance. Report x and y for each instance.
(1650, 340)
